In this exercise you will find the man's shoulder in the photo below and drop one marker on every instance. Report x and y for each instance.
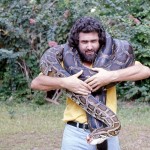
(60, 46)
(121, 41)
(123, 44)
(57, 48)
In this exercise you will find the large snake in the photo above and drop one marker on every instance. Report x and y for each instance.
(116, 54)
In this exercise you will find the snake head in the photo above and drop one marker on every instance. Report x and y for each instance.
(95, 141)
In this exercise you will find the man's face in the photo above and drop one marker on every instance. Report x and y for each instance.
(88, 46)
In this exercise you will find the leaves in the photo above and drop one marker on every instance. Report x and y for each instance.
(27, 27)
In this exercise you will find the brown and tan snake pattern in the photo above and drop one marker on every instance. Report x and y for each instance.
(117, 54)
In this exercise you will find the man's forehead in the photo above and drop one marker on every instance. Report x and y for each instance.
(88, 36)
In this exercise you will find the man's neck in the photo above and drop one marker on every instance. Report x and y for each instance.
(87, 64)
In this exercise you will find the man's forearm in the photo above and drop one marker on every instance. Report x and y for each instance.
(71, 83)
(133, 73)
(46, 83)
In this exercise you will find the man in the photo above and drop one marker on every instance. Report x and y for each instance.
(88, 36)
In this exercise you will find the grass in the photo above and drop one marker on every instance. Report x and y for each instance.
(32, 127)
(29, 127)
(135, 120)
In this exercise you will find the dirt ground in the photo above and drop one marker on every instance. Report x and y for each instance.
(131, 138)
(135, 138)
(31, 141)
(134, 135)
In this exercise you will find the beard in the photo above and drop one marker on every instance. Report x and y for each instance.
(87, 57)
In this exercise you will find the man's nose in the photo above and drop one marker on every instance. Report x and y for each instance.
(89, 46)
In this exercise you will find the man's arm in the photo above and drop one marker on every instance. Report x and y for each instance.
(133, 73)
(72, 83)
(103, 77)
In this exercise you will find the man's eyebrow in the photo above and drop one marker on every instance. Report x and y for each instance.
(94, 40)
(83, 40)
(89, 40)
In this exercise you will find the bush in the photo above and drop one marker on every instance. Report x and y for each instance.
(28, 26)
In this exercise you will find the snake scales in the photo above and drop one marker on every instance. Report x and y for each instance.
(116, 54)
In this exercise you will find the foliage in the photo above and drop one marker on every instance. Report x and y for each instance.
(27, 27)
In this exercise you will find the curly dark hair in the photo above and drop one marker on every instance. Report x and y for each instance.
(86, 25)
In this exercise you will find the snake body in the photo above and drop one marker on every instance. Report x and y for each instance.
(116, 54)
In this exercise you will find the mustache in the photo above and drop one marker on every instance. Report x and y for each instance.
(91, 50)
(94, 53)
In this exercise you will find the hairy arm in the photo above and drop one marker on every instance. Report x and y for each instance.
(72, 83)
(46, 83)
(103, 77)
(133, 73)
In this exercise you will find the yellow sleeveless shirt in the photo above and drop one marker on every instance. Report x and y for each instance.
(74, 112)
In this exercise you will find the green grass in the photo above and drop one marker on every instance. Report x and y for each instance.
(135, 120)
(24, 117)
(25, 127)
(134, 113)
(32, 127)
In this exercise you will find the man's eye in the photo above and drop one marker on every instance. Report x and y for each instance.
(84, 42)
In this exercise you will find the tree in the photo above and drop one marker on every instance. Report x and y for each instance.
(28, 27)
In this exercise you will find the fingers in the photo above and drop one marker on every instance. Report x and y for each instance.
(78, 74)
(98, 69)
(92, 83)
(88, 87)
(89, 79)
(78, 86)
(88, 139)
(82, 92)
(95, 69)
(84, 88)
(96, 88)
(85, 85)
(81, 89)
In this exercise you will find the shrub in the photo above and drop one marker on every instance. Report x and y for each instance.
(28, 26)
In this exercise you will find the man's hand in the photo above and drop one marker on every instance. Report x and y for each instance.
(76, 85)
(102, 78)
